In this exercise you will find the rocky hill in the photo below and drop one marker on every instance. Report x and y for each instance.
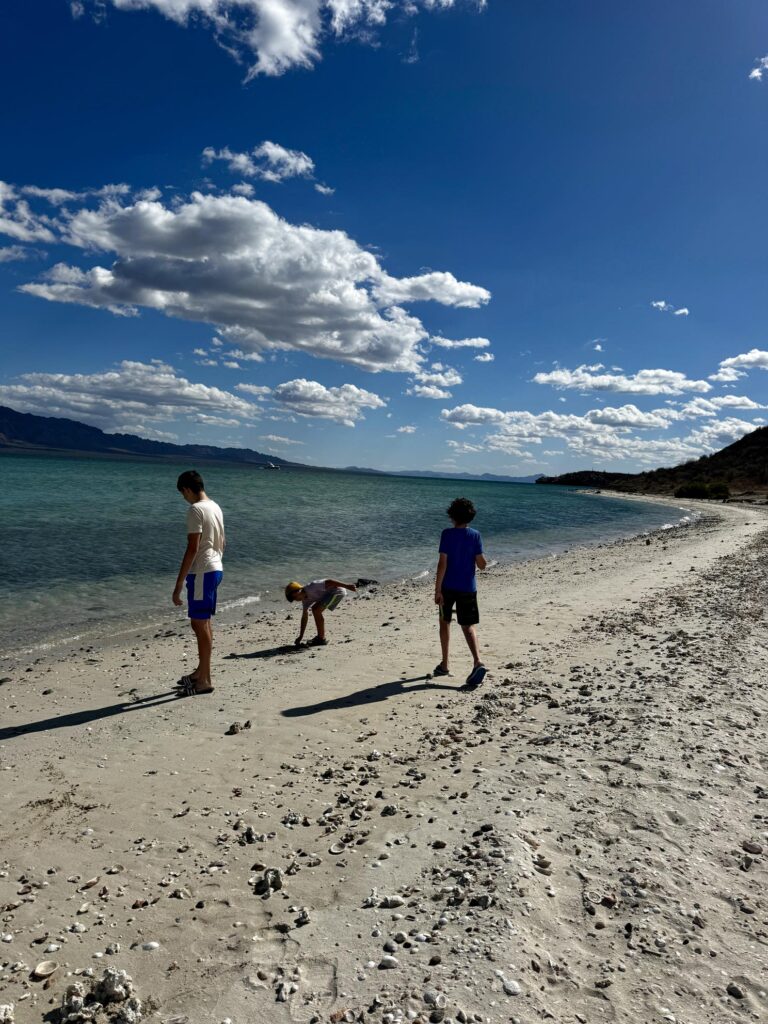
(742, 466)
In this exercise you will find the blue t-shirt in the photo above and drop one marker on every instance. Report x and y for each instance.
(460, 544)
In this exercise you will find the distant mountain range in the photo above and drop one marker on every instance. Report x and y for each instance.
(22, 431)
(433, 474)
(742, 466)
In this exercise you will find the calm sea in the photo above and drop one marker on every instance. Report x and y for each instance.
(93, 546)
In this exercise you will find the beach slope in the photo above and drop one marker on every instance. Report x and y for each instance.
(582, 839)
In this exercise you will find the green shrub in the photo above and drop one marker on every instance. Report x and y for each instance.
(719, 490)
(698, 489)
(693, 490)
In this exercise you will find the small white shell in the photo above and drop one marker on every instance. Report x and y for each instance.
(45, 969)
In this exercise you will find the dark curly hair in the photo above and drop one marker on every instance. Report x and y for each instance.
(462, 511)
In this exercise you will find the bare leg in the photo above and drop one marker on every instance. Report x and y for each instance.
(319, 622)
(204, 633)
(470, 635)
(445, 639)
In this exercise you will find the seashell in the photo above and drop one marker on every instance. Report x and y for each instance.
(150, 945)
(89, 884)
(45, 969)
(115, 869)
(337, 848)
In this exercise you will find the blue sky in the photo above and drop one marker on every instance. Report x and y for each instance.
(273, 224)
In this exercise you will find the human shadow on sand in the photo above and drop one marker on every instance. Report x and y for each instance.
(76, 718)
(270, 652)
(371, 695)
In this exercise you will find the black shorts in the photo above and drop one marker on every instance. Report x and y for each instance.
(467, 612)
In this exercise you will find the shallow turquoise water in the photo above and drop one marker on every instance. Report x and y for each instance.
(90, 544)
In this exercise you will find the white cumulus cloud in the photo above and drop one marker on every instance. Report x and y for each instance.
(644, 382)
(343, 404)
(268, 161)
(428, 391)
(437, 286)
(600, 434)
(761, 66)
(274, 36)
(461, 343)
(232, 262)
(120, 399)
(408, 429)
(756, 358)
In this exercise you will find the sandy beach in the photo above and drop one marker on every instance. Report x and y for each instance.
(582, 839)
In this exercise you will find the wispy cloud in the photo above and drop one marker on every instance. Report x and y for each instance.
(666, 307)
(279, 439)
(761, 66)
(12, 253)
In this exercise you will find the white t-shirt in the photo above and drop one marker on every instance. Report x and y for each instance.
(205, 517)
(314, 591)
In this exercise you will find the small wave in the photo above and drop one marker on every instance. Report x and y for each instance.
(420, 575)
(51, 643)
(240, 602)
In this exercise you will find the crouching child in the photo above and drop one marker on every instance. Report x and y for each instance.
(318, 597)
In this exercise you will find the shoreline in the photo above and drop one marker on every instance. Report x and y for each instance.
(495, 843)
(103, 632)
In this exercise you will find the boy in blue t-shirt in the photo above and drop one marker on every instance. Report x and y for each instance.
(461, 552)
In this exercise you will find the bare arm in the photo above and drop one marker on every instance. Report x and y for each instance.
(304, 620)
(442, 565)
(336, 583)
(193, 543)
(480, 561)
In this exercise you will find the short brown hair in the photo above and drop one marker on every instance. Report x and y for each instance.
(190, 480)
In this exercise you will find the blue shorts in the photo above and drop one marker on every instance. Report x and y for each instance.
(202, 605)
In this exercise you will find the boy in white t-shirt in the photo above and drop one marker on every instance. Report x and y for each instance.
(202, 571)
